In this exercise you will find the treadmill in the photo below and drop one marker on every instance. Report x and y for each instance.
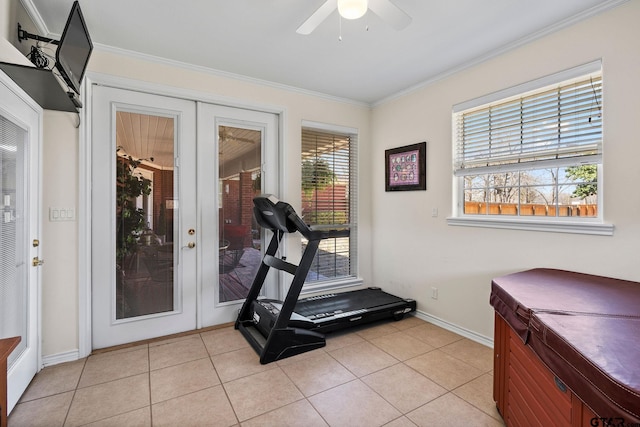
(279, 329)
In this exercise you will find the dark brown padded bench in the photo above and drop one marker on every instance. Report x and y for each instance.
(585, 329)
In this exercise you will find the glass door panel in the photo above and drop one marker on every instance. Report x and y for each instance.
(144, 214)
(239, 181)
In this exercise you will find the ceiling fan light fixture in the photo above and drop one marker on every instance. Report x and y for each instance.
(352, 9)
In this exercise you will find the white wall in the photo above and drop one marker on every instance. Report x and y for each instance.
(12, 12)
(4, 18)
(59, 239)
(414, 251)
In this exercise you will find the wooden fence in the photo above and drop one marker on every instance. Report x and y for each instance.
(529, 209)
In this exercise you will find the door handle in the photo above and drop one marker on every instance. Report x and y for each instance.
(37, 262)
(190, 245)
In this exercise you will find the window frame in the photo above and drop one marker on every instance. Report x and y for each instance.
(353, 279)
(581, 225)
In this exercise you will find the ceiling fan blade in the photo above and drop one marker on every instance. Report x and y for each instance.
(390, 13)
(317, 17)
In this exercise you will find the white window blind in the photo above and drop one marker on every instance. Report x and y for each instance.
(12, 289)
(554, 126)
(328, 197)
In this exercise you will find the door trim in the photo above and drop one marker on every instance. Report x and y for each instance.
(84, 174)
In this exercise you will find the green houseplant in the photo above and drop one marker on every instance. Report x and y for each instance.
(130, 219)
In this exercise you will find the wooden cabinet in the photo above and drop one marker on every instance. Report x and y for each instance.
(526, 392)
(6, 347)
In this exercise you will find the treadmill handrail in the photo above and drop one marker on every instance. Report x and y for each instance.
(279, 216)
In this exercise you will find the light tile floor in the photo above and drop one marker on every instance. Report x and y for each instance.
(405, 373)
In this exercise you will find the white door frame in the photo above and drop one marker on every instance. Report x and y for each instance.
(28, 114)
(84, 197)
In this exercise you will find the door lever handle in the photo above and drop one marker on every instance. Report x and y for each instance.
(190, 245)
(36, 262)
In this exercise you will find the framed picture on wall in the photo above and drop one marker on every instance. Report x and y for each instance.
(406, 168)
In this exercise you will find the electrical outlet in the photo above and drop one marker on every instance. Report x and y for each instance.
(434, 293)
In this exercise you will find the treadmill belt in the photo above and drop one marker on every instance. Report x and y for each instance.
(344, 302)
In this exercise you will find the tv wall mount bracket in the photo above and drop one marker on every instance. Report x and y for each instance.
(25, 35)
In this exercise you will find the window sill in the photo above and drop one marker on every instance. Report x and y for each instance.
(594, 228)
(331, 285)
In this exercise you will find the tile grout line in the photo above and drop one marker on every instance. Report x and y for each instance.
(400, 362)
(224, 389)
(149, 382)
(75, 390)
(471, 403)
(106, 382)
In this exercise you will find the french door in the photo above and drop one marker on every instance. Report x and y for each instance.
(20, 136)
(174, 245)
(241, 145)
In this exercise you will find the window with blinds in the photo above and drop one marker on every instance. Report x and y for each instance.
(329, 197)
(536, 153)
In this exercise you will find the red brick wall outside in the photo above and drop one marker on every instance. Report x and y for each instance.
(330, 199)
(246, 199)
(237, 202)
(162, 191)
(230, 212)
(237, 205)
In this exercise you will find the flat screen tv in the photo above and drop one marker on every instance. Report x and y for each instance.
(74, 49)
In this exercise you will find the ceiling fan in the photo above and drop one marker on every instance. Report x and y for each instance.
(354, 9)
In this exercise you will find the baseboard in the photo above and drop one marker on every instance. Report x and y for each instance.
(473, 336)
(71, 356)
(54, 359)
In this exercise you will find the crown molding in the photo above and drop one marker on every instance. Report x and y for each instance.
(596, 10)
(36, 18)
(225, 74)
